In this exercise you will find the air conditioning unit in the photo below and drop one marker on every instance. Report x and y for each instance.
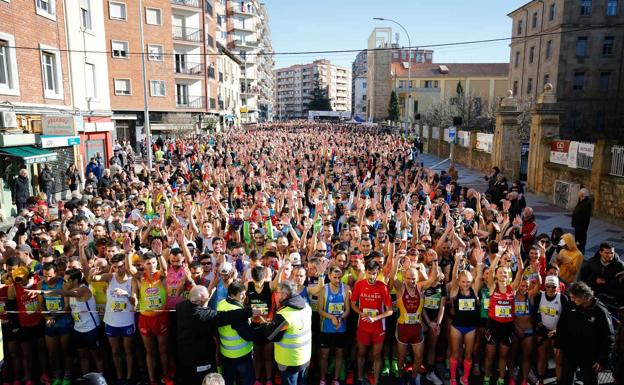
(8, 119)
(565, 194)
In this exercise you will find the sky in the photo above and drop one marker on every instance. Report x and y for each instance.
(322, 25)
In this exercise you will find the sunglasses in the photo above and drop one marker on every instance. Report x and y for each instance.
(206, 263)
(238, 255)
(551, 287)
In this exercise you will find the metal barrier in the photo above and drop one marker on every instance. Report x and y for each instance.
(617, 161)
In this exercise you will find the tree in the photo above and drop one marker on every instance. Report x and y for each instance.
(474, 113)
(393, 108)
(320, 101)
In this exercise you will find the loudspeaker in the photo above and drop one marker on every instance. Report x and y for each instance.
(458, 121)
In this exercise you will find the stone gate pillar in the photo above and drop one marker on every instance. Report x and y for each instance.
(544, 127)
(507, 144)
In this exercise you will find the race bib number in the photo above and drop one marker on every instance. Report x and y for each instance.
(76, 316)
(53, 304)
(502, 311)
(171, 292)
(31, 307)
(336, 308)
(466, 304)
(432, 302)
(521, 308)
(118, 306)
(264, 309)
(486, 303)
(549, 311)
(153, 303)
(412, 318)
(370, 312)
(2, 307)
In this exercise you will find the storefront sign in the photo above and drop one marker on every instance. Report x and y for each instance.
(61, 125)
(58, 141)
(559, 151)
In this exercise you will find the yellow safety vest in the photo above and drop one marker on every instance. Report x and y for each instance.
(295, 347)
(232, 345)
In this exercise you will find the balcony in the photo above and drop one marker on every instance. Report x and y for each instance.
(189, 68)
(187, 34)
(236, 8)
(191, 102)
(187, 3)
(254, 90)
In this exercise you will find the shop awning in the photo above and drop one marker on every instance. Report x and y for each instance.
(30, 154)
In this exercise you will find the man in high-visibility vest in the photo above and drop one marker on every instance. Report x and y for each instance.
(236, 341)
(291, 332)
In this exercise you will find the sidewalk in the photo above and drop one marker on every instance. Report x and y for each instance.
(548, 216)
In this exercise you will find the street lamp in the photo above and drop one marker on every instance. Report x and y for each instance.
(409, 69)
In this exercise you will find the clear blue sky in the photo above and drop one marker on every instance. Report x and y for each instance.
(319, 25)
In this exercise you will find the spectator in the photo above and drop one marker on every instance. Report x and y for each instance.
(92, 168)
(569, 259)
(46, 183)
(21, 190)
(72, 178)
(601, 274)
(581, 217)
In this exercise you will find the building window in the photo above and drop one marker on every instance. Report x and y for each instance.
(117, 11)
(153, 16)
(552, 12)
(607, 45)
(404, 55)
(579, 81)
(363, 84)
(534, 20)
(8, 66)
(123, 87)
(517, 59)
(519, 32)
(612, 7)
(515, 87)
(586, 6)
(581, 46)
(157, 87)
(428, 84)
(546, 79)
(46, 8)
(85, 14)
(120, 49)
(52, 81)
(90, 83)
(210, 41)
(549, 48)
(531, 54)
(154, 52)
(529, 85)
(605, 80)
(209, 7)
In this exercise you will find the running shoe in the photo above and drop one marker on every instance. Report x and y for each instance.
(394, 368)
(57, 381)
(533, 377)
(29, 382)
(386, 368)
(476, 370)
(453, 381)
(268, 382)
(335, 382)
(257, 382)
(486, 380)
(433, 377)
(512, 381)
(463, 380)
(45, 379)
(17, 382)
(167, 381)
(66, 381)
(349, 377)
(322, 382)
(501, 381)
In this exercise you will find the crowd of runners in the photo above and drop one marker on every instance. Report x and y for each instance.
(408, 275)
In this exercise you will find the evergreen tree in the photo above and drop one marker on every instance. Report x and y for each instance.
(393, 108)
(320, 101)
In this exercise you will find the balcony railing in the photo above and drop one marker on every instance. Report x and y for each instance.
(189, 68)
(243, 10)
(187, 3)
(186, 34)
(196, 102)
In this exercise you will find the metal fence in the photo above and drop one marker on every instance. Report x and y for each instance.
(617, 161)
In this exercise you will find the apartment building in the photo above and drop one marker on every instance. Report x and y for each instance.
(51, 98)
(295, 84)
(229, 66)
(358, 84)
(577, 47)
(249, 36)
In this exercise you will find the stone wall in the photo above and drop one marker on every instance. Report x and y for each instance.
(611, 193)
(481, 161)
(554, 171)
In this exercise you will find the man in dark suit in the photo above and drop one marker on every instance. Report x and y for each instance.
(581, 217)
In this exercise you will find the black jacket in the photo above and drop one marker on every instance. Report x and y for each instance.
(586, 334)
(21, 189)
(46, 179)
(105, 181)
(196, 328)
(581, 214)
(593, 270)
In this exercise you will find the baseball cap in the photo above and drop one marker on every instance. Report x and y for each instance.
(24, 248)
(552, 280)
(295, 259)
(191, 244)
(226, 268)
(10, 243)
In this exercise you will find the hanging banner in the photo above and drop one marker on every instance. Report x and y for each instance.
(559, 151)
(573, 154)
(484, 142)
(463, 138)
(435, 133)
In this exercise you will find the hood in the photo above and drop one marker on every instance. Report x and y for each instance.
(569, 241)
(296, 301)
